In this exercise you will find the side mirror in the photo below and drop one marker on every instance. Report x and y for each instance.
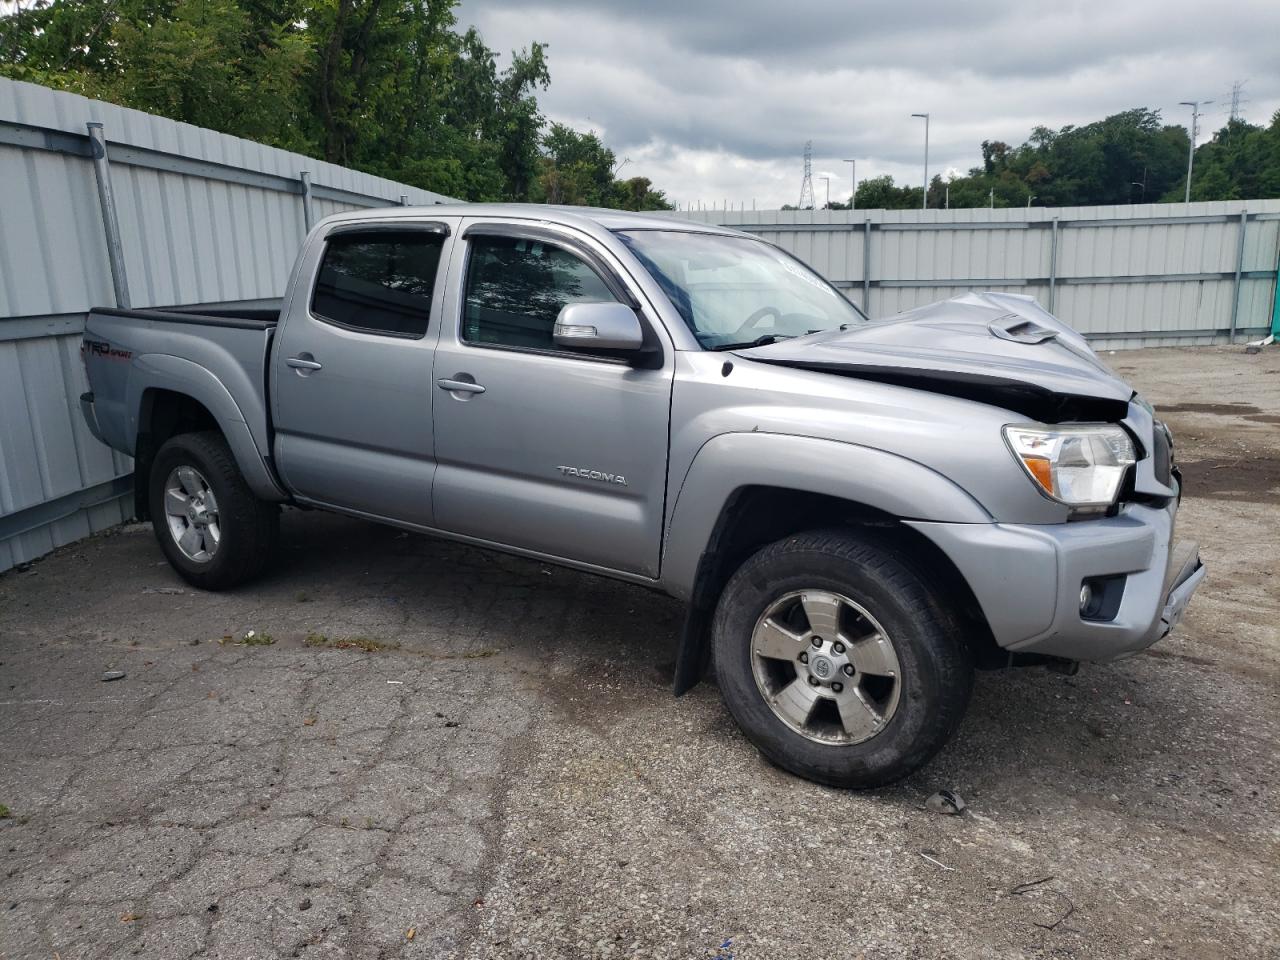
(598, 326)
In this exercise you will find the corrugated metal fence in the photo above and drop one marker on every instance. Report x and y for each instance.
(204, 217)
(1142, 275)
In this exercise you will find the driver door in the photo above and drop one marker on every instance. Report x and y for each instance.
(541, 448)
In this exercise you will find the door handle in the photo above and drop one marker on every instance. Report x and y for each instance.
(459, 386)
(304, 363)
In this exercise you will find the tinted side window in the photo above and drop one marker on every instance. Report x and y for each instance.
(381, 282)
(516, 288)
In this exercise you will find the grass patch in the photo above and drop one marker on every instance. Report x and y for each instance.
(367, 644)
(255, 639)
(4, 812)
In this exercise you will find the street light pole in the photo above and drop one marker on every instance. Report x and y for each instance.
(924, 197)
(853, 176)
(1195, 106)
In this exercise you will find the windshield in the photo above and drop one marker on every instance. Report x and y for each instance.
(738, 291)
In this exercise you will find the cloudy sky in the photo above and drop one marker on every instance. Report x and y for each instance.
(714, 99)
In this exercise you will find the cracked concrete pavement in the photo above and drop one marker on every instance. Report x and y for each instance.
(505, 773)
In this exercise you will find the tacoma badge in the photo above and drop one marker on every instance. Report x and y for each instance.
(585, 474)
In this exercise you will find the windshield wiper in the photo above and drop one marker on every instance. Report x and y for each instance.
(757, 342)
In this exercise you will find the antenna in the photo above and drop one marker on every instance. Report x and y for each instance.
(806, 185)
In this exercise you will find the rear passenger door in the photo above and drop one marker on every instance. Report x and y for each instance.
(352, 370)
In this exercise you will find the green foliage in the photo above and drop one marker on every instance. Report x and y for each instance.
(1241, 162)
(577, 168)
(880, 192)
(386, 86)
(1130, 157)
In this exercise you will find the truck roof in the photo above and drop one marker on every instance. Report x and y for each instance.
(563, 214)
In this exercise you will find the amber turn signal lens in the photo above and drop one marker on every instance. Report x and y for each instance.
(1042, 470)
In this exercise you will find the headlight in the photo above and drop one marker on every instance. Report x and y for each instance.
(1081, 466)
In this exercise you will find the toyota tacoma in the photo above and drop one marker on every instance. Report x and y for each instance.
(858, 514)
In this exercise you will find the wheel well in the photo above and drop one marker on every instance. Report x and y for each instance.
(755, 516)
(164, 414)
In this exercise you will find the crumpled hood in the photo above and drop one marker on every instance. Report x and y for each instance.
(996, 348)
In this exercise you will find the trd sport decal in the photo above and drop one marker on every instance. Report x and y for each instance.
(100, 348)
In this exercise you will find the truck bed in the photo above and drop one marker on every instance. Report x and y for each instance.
(220, 354)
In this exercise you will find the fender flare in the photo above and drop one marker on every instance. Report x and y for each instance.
(728, 463)
(160, 371)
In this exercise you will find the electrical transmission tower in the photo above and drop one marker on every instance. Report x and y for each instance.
(1238, 99)
(806, 185)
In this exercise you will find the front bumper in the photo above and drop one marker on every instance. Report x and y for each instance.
(1027, 579)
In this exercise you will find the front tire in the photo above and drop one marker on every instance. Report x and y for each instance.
(211, 527)
(838, 661)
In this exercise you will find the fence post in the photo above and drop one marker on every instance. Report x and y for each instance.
(1235, 297)
(1275, 310)
(308, 215)
(110, 223)
(1053, 264)
(866, 266)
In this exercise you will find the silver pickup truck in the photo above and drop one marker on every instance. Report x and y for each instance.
(858, 514)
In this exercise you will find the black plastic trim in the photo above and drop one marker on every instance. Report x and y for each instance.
(197, 319)
(1033, 401)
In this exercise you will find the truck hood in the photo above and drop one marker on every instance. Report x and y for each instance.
(996, 348)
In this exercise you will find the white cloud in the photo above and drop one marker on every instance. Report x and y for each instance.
(714, 101)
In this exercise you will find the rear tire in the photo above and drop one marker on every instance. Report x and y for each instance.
(857, 711)
(211, 527)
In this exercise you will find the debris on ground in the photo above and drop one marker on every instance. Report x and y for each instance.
(112, 675)
(1029, 885)
(946, 802)
(937, 863)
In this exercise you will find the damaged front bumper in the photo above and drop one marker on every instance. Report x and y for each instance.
(1030, 580)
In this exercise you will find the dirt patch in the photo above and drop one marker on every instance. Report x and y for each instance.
(1221, 409)
(1264, 418)
(1251, 479)
(1160, 653)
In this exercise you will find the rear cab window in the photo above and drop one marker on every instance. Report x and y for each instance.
(380, 281)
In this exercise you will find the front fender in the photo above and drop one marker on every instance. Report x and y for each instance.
(726, 463)
(166, 372)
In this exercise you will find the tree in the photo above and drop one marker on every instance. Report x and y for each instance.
(638, 194)
(577, 168)
(385, 86)
(881, 193)
(1241, 161)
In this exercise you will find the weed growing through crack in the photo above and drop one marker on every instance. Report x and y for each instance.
(367, 644)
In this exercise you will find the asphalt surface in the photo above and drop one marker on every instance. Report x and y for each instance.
(476, 756)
